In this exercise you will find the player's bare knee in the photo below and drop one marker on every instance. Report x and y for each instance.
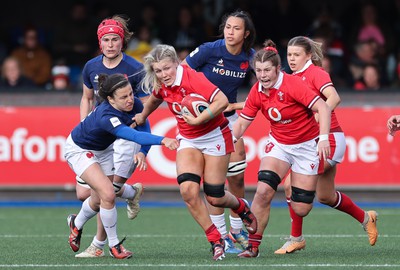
(324, 200)
(82, 194)
(329, 199)
(301, 209)
(108, 196)
(81, 198)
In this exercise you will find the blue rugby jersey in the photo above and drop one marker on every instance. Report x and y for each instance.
(128, 66)
(225, 70)
(98, 130)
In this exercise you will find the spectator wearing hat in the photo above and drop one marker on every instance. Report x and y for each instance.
(60, 77)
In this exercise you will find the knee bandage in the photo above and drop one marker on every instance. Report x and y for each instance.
(117, 186)
(216, 191)
(269, 177)
(81, 182)
(188, 177)
(302, 196)
(236, 168)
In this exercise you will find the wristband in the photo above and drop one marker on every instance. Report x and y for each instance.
(210, 113)
(323, 137)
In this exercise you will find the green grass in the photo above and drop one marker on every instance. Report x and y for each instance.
(168, 238)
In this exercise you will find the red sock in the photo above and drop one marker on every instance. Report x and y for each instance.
(255, 240)
(213, 234)
(240, 208)
(345, 204)
(297, 222)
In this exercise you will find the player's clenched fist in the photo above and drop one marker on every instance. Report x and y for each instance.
(171, 144)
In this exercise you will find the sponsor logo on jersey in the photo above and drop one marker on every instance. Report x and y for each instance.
(244, 65)
(177, 109)
(115, 121)
(229, 73)
(276, 115)
(220, 62)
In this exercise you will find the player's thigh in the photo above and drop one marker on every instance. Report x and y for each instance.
(303, 181)
(98, 181)
(189, 160)
(240, 152)
(215, 169)
(278, 166)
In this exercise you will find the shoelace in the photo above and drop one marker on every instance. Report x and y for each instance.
(118, 246)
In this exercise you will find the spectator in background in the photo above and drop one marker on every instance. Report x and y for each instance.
(186, 33)
(75, 40)
(60, 76)
(11, 75)
(35, 60)
(142, 43)
(285, 13)
(183, 53)
(396, 81)
(328, 31)
(370, 28)
(364, 54)
(149, 18)
(370, 79)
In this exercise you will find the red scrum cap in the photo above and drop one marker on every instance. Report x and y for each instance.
(110, 26)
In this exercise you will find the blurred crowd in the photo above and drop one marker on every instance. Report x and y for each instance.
(361, 43)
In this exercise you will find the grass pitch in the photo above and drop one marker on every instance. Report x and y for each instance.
(168, 238)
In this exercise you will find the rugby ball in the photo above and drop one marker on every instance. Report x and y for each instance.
(194, 104)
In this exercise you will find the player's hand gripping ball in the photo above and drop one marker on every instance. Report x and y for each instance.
(194, 104)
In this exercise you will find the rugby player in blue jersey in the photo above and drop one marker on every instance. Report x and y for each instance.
(113, 36)
(89, 153)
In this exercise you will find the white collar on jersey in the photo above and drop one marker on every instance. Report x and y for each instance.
(277, 85)
(179, 75)
(308, 63)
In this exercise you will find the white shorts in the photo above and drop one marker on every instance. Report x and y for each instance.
(302, 157)
(80, 159)
(232, 119)
(218, 142)
(337, 142)
(124, 152)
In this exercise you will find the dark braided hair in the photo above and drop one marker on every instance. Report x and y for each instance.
(268, 53)
(108, 84)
